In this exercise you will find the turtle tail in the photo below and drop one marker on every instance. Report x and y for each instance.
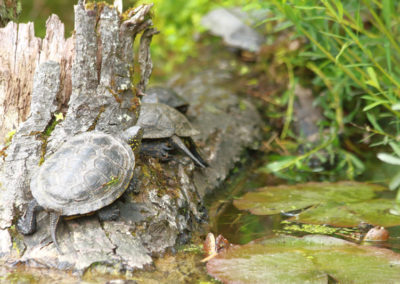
(193, 150)
(54, 218)
(179, 143)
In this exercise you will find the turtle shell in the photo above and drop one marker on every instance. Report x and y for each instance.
(88, 172)
(162, 121)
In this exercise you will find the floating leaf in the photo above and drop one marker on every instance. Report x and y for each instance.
(343, 204)
(311, 259)
(376, 212)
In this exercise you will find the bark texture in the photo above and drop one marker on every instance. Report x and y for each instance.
(20, 53)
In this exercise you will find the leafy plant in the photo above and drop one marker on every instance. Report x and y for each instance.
(353, 52)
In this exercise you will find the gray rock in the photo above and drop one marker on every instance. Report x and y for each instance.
(231, 27)
(228, 124)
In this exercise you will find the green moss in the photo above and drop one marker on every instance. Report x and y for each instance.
(43, 149)
(21, 277)
(93, 126)
(242, 105)
(309, 228)
(190, 248)
(49, 129)
(125, 15)
(18, 245)
(102, 270)
(9, 136)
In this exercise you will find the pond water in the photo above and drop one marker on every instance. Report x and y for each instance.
(241, 227)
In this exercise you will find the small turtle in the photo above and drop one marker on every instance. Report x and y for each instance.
(166, 96)
(161, 122)
(87, 173)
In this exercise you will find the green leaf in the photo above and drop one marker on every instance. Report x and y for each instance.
(291, 14)
(339, 6)
(309, 7)
(370, 98)
(373, 121)
(310, 259)
(395, 147)
(387, 10)
(344, 46)
(280, 165)
(375, 104)
(387, 158)
(395, 182)
(388, 55)
(373, 78)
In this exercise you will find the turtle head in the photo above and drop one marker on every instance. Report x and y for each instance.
(133, 136)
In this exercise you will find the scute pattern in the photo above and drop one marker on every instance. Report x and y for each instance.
(162, 121)
(87, 173)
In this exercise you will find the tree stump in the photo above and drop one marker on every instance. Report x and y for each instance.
(88, 79)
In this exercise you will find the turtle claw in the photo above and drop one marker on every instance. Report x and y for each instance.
(109, 213)
(157, 149)
(24, 228)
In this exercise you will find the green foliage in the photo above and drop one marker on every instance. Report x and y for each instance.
(354, 53)
(38, 11)
(177, 20)
(9, 11)
(179, 23)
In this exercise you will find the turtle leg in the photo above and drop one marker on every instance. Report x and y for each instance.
(26, 225)
(133, 186)
(157, 149)
(109, 213)
(54, 218)
(179, 143)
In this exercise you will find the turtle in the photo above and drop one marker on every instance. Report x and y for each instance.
(87, 173)
(163, 125)
(168, 96)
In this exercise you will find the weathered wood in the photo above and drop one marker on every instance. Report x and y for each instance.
(25, 152)
(146, 65)
(20, 54)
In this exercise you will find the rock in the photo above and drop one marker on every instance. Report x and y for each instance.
(231, 26)
(228, 124)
